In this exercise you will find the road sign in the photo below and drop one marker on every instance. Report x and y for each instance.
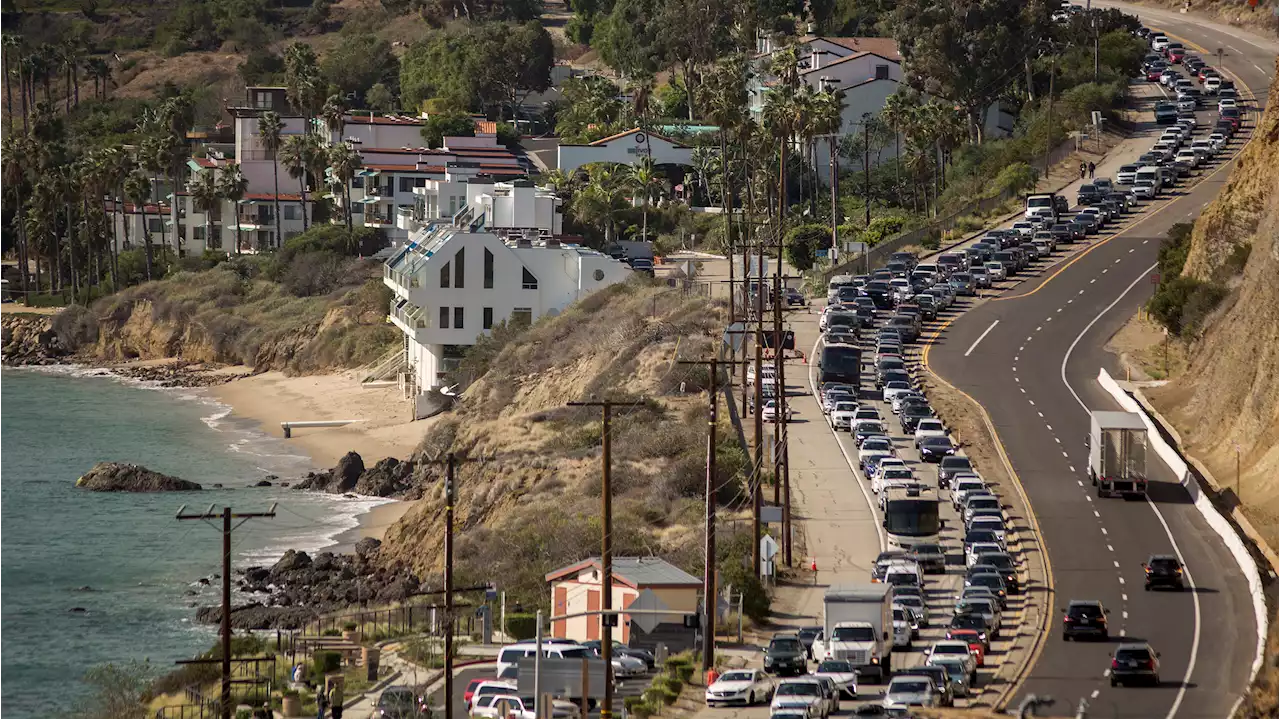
(768, 547)
(735, 336)
(771, 514)
(649, 601)
(1155, 278)
(821, 254)
(766, 567)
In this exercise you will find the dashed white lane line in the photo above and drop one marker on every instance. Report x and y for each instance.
(1015, 359)
(1118, 260)
(1124, 615)
(1071, 469)
(1094, 695)
(1041, 414)
(1122, 580)
(1059, 442)
(1124, 597)
(1022, 390)
(1064, 454)
(1131, 250)
(1032, 402)
(1104, 270)
(1028, 338)
(1104, 530)
(1080, 482)
(1112, 549)
(1057, 310)
(1123, 631)
(1094, 279)
(1069, 301)
(1081, 292)
(1145, 241)
(1015, 379)
(1095, 512)
(1039, 327)
(1049, 427)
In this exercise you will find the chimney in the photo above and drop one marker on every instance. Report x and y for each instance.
(814, 62)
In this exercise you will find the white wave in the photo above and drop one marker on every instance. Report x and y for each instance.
(343, 515)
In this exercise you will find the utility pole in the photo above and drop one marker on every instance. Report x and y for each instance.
(866, 171)
(1048, 127)
(608, 620)
(758, 441)
(449, 468)
(835, 213)
(227, 515)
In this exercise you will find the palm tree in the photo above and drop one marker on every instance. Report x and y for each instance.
(15, 159)
(599, 202)
(643, 177)
(295, 154)
(334, 115)
(11, 45)
(344, 161)
(100, 71)
(269, 129)
(779, 114)
(828, 110)
(302, 80)
(137, 187)
(206, 197)
(896, 110)
(233, 185)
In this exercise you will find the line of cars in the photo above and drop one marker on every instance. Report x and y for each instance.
(949, 670)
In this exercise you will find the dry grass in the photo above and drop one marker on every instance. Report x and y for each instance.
(1141, 346)
(529, 498)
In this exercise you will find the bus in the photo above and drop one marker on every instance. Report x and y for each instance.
(911, 516)
(840, 363)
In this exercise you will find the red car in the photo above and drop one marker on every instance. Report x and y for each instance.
(1205, 72)
(1153, 75)
(471, 688)
(976, 647)
(1176, 55)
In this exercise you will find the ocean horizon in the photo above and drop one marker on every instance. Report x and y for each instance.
(89, 577)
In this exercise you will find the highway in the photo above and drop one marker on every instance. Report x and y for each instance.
(1034, 373)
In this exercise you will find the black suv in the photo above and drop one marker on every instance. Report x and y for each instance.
(1087, 195)
(1135, 662)
(1163, 570)
(786, 655)
(1084, 619)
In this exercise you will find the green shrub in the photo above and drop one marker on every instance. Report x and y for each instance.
(729, 554)
(1238, 258)
(323, 663)
(350, 626)
(331, 633)
(803, 242)
(1016, 178)
(522, 625)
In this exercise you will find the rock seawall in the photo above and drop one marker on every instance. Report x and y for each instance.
(29, 339)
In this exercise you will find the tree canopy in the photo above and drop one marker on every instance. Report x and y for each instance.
(359, 62)
(485, 67)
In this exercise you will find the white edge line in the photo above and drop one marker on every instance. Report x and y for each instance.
(1195, 595)
(980, 338)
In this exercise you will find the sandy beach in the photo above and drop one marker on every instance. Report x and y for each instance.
(385, 430)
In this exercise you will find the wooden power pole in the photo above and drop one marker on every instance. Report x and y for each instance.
(224, 705)
(608, 619)
(449, 494)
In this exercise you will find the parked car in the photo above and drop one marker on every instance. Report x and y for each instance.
(744, 686)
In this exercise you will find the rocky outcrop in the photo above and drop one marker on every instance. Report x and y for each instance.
(390, 477)
(299, 585)
(122, 477)
(339, 480)
(30, 340)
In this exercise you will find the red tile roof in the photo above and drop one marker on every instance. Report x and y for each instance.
(885, 47)
(486, 127)
(204, 162)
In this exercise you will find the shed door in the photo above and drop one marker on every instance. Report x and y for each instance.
(593, 621)
(559, 628)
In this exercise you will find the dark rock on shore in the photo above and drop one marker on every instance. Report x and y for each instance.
(258, 616)
(123, 477)
(390, 477)
(325, 582)
(178, 373)
(261, 483)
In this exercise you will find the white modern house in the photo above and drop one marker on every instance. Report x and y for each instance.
(625, 148)
(496, 259)
(867, 70)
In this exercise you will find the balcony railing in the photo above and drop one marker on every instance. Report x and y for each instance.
(409, 314)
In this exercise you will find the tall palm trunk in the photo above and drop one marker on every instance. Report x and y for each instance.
(55, 245)
(75, 82)
(146, 240)
(71, 250)
(346, 202)
(302, 190)
(22, 90)
(275, 179)
(8, 95)
(67, 103)
(834, 172)
(24, 255)
(115, 246)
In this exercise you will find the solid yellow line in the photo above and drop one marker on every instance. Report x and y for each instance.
(1043, 631)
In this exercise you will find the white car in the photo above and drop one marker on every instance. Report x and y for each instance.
(1217, 141)
(996, 270)
(1212, 84)
(1188, 156)
(895, 388)
(1144, 189)
(962, 487)
(1226, 103)
(490, 708)
(745, 686)
(929, 428)
(909, 691)
(1203, 147)
(898, 399)
(948, 649)
(624, 666)
(893, 476)
(804, 691)
(872, 448)
(901, 628)
(842, 415)
(770, 409)
(995, 524)
(842, 674)
(884, 465)
(973, 550)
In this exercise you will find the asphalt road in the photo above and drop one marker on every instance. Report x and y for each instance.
(1035, 373)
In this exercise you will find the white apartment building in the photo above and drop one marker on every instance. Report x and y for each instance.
(457, 279)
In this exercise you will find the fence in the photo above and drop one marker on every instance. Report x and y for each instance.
(878, 255)
(385, 623)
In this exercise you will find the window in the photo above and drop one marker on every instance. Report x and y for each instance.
(882, 72)
(457, 318)
(357, 182)
(406, 184)
(453, 206)
(153, 224)
(488, 318)
(357, 208)
(293, 212)
(488, 270)
(528, 282)
(444, 318)
(444, 276)
(522, 317)
(459, 267)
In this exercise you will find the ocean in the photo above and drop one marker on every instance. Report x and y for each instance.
(88, 578)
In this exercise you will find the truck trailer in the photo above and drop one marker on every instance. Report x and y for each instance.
(1118, 454)
(857, 621)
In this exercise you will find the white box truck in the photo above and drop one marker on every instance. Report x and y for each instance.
(1118, 454)
(857, 626)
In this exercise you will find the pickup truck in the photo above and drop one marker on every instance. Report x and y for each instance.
(491, 707)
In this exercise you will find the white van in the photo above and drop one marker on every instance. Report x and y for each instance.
(833, 287)
(511, 654)
(1150, 174)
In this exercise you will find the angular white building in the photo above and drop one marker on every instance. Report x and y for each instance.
(498, 258)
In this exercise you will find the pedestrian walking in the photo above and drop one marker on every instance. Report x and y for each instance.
(322, 701)
(1083, 169)
(335, 700)
(1092, 167)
